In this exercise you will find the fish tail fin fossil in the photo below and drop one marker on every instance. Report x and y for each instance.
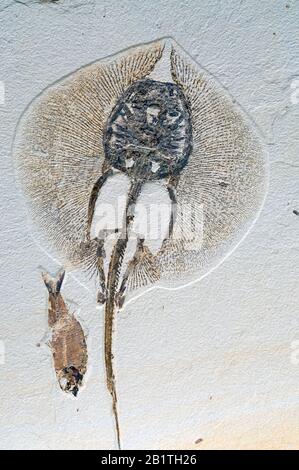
(53, 284)
(68, 344)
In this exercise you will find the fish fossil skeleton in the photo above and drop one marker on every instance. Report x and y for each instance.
(67, 342)
(125, 115)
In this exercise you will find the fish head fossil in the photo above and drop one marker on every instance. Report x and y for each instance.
(148, 134)
(70, 379)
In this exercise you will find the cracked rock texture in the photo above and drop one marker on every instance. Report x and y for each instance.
(215, 365)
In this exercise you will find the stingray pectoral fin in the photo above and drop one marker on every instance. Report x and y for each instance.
(93, 198)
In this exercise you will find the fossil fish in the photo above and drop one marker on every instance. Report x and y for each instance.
(67, 342)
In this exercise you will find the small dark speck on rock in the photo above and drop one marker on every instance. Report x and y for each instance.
(48, 1)
(287, 6)
(295, 212)
(198, 441)
(223, 184)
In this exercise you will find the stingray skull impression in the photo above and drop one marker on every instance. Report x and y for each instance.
(155, 117)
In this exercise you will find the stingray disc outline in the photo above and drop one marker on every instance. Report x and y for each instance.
(227, 173)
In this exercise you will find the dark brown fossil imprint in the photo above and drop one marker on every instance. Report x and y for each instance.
(67, 342)
(148, 136)
(124, 115)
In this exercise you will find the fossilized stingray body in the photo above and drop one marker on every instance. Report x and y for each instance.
(150, 124)
(59, 151)
(148, 136)
(128, 115)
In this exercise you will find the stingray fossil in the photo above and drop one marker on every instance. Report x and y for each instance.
(153, 114)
